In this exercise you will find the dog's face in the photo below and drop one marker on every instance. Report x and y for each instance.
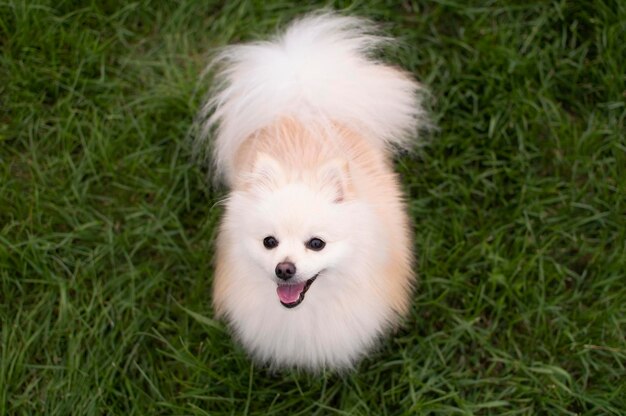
(293, 235)
(298, 233)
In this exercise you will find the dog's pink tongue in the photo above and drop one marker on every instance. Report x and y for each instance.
(290, 293)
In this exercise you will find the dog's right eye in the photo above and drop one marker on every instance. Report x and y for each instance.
(270, 242)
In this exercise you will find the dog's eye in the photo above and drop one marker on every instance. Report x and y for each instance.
(315, 244)
(270, 242)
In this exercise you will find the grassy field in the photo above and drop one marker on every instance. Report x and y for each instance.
(518, 200)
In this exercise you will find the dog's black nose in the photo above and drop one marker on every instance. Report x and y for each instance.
(285, 270)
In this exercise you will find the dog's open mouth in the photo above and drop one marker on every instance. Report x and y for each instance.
(292, 295)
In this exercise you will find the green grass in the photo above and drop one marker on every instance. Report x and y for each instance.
(518, 201)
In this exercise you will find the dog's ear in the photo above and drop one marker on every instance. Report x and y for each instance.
(336, 175)
(266, 171)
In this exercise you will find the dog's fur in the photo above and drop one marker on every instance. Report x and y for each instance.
(304, 127)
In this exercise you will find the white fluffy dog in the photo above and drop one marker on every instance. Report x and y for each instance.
(314, 254)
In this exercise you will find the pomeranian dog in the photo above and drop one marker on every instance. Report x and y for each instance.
(314, 255)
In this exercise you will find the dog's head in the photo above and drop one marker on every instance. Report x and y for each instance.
(300, 231)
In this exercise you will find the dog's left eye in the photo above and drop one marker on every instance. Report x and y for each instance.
(270, 242)
(315, 244)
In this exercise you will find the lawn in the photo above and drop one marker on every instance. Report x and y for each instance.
(518, 201)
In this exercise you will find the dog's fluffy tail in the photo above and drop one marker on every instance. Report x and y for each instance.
(320, 70)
